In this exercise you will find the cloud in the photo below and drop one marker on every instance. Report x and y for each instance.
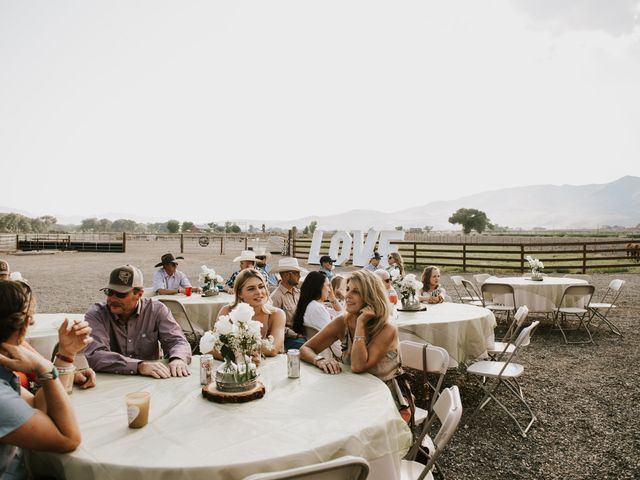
(616, 17)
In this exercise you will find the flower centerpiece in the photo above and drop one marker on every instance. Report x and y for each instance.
(237, 337)
(209, 281)
(536, 265)
(407, 287)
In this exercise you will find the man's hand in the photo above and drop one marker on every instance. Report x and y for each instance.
(154, 369)
(86, 378)
(178, 368)
(74, 339)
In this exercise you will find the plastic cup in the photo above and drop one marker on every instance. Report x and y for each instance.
(138, 409)
(66, 377)
(187, 291)
(393, 298)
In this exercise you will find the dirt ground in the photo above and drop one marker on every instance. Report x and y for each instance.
(586, 397)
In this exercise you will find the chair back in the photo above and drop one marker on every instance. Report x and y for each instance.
(488, 290)
(428, 359)
(344, 468)
(585, 291)
(518, 321)
(524, 337)
(470, 289)
(310, 331)
(191, 330)
(480, 278)
(613, 291)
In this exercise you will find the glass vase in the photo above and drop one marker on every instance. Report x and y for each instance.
(239, 376)
(411, 303)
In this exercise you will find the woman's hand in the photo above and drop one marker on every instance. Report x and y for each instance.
(365, 315)
(330, 366)
(21, 359)
(74, 339)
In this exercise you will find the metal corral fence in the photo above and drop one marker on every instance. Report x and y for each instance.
(558, 255)
(218, 243)
(79, 242)
(8, 242)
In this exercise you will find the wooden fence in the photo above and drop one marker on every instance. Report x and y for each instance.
(567, 256)
(8, 242)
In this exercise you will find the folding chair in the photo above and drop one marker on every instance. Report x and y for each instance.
(602, 308)
(480, 278)
(577, 295)
(428, 359)
(505, 373)
(490, 290)
(506, 345)
(457, 286)
(473, 296)
(343, 468)
(192, 331)
(448, 410)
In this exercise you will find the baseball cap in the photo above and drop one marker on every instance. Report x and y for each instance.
(124, 279)
(326, 259)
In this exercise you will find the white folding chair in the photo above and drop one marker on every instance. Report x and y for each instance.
(505, 373)
(192, 331)
(474, 297)
(460, 290)
(480, 278)
(506, 345)
(448, 410)
(490, 290)
(427, 359)
(602, 308)
(344, 468)
(576, 295)
(310, 331)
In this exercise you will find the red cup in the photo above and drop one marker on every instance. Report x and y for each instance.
(187, 291)
(393, 298)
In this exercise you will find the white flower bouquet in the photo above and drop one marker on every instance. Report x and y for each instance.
(209, 279)
(237, 337)
(406, 286)
(535, 265)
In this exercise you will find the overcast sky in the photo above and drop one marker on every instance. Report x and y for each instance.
(206, 111)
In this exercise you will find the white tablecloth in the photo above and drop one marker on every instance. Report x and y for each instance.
(202, 310)
(43, 334)
(465, 331)
(298, 422)
(541, 296)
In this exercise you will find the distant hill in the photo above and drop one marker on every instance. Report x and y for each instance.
(545, 206)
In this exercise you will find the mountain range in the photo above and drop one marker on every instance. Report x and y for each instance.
(538, 206)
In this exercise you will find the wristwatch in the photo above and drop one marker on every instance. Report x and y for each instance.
(52, 375)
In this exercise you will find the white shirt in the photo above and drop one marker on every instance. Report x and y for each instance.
(162, 280)
(317, 316)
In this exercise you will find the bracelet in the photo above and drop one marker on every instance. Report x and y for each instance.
(358, 338)
(64, 358)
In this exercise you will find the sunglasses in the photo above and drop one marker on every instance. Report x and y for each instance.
(387, 280)
(112, 293)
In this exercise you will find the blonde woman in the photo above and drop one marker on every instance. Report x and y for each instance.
(394, 259)
(371, 339)
(250, 288)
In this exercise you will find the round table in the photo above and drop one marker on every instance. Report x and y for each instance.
(465, 331)
(201, 310)
(539, 296)
(43, 334)
(301, 421)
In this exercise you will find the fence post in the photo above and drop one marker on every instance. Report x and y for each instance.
(124, 241)
(584, 258)
(182, 243)
(415, 256)
(288, 245)
(246, 242)
(293, 241)
(464, 257)
(221, 244)
(522, 258)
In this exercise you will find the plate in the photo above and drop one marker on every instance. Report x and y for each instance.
(421, 309)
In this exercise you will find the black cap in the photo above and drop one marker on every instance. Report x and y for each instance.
(326, 259)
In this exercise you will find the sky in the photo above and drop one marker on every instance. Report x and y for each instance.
(209, 111)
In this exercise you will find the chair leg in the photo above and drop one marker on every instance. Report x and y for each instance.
(562, 317)
(603, 319)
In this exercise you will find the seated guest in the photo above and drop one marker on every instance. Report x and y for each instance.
(44, 421)
(311, 312)
(374, 262)
(247, 259)
(386, 283)
(168, 280)
(261, 263)
(371, 340)
(251, 288)
(431, 291)
(339, 287)
(286, 297)
(326, 266)
(5, 270)
(127, 327)
(396, 264)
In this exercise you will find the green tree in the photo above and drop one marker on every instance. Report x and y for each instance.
(306, 230)
(105, 225)
(89, 225)
(173, 226)
(470, 219)
(186, 226)
(235, 228)
(124, 225)
(312, 226)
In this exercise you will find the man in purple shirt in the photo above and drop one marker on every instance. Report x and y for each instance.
(126, 329)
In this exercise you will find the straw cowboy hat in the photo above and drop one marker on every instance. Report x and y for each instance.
(168, 258)
(261, 252)
(246, 256)
(288, 264)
